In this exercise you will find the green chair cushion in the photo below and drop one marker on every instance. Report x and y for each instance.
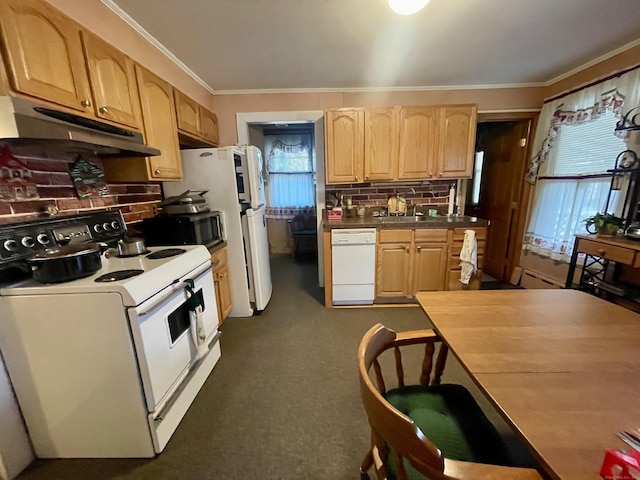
(450, 417)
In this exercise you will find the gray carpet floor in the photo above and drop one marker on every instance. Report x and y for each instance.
(283, 401)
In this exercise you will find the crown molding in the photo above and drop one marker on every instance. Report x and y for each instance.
(111, 5)
(593, 62)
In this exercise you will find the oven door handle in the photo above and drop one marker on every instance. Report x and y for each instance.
(175, 286)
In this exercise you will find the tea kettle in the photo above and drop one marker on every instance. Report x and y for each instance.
(633, 231)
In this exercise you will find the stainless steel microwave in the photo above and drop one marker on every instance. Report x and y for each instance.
(193, 229)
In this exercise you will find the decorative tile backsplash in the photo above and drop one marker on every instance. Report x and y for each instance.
(50, 173)
(435, 193)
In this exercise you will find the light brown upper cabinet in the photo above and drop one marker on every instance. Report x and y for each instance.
(195, 120)
(345, 145)
(457, 141)
(362, 144)
(113, 82)
(43, 52)
(161, 131)
(400, 143)
(418, 149)
(188, 112)
(380, 143)
(209, 126)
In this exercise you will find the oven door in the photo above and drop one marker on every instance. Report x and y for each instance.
(161, 327)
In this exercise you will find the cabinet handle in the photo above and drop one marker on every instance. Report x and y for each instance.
(408, 250)
(157, 171)
(366, 177)
(430, 174)
(356, 178)
(103, 110)
(85, 103)
(419, 248)
(602, 251)
(440, 174)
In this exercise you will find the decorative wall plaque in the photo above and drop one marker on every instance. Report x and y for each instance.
(88, 178)
(15, 179)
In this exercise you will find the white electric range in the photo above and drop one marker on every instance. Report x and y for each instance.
(109, 368)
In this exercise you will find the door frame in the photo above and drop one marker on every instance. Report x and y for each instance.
(521, 219)
(305, 116)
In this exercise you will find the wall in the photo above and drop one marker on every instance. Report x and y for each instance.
(227, 106)
(51, 174)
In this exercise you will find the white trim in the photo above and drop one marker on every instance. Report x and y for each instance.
(153, 41)
(593, 62)
(317, 117)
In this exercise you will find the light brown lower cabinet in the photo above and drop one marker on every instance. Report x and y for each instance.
(454, 269)
(410, 261)
(221, 283)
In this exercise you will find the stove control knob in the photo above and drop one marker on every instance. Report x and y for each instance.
(115, 225)
(43, 239)
(28, 242)
(97, 228)
(11, 245)
(106, 226)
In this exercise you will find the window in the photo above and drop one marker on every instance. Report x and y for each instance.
(290, 170)
(574, 185)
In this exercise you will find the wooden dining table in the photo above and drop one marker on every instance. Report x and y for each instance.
(561, 366)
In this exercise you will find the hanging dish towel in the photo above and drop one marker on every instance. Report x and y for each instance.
(468, 256)
(198, 334)
(196, 320)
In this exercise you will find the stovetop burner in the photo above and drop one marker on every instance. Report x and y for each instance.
(167, 252)
(118, 275)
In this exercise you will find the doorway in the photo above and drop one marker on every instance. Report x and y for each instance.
(498, 192)
(246, 122)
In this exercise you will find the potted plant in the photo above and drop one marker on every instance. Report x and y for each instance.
(603, 224)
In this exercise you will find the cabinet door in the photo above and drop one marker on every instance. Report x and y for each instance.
(161, 131)
(380, 143)
(457, 141)
(225, 303)
(209, 126)
(113, 82)
(188, 113)
(430, 267)
(345, 145)
(44, 54)
(417, 143)
(392, 272)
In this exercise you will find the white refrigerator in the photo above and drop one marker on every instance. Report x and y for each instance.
(234, 179)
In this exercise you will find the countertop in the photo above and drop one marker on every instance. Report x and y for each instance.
(458, 221)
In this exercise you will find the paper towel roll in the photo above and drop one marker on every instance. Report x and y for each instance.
(452, 198)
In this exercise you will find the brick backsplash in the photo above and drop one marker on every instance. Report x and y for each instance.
(50, 172)
(435, 193)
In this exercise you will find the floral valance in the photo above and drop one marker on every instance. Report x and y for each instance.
(610, 100)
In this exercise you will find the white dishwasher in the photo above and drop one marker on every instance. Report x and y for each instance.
(353, 265)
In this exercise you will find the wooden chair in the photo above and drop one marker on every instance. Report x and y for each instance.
(427, 430)
(303, 227)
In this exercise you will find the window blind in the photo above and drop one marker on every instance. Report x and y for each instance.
(586, 148)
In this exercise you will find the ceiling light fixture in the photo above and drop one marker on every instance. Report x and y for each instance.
(407, 7)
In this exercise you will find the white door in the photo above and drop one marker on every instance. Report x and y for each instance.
(258, 256)
(255, 166)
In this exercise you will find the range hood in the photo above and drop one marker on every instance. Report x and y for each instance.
(26, 123)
